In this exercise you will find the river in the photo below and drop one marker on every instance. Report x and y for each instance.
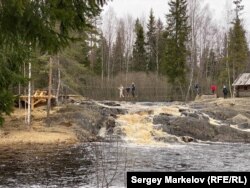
(84, 165)
(100, 164)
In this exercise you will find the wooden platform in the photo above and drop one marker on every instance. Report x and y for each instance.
(39, 97)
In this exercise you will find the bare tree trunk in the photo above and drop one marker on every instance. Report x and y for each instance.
(129, 37)
(126, 73)
(59, 79)
(109, 31)
(29, 98)
(102, 59)
(181, 89)
(109, 57)
(190, 82)
(19, 93)
(194, 17)
(157, 63)
(24, 92)
(228, 20)
(228, 71)
(49, 91)
(234, 75)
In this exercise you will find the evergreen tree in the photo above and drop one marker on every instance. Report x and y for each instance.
(151, 42)
(46, 23)
(43, 25)
(11, 60)
(225, 74)
(98, 63)
(139, 52)
(177, 37)
(237, 47)
(211, 66)
(160, 45)
(118, 50)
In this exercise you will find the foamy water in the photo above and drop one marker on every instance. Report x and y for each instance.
(138, 126)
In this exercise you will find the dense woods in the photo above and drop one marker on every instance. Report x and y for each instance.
(84, 53)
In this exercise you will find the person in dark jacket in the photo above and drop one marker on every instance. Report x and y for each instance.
(127, 91)
(225, 91)
(197, 89)
(133, 89)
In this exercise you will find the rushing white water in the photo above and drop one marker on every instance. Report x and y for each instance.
(138, 128)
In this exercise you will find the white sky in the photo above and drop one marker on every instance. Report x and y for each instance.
(139, 8)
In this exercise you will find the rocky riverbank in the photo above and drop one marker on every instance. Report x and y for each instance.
(223, 120)
(69, 124)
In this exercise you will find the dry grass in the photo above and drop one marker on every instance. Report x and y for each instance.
(15, 131)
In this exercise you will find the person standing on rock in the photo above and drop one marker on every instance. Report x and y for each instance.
(127, 91)
(225, 91)
(121, 88)
(133, 89)
(197, 89)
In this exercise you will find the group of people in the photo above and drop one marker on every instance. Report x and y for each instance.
(213, 88)
(127, 89)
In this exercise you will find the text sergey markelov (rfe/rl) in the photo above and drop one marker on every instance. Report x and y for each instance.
(172, 179)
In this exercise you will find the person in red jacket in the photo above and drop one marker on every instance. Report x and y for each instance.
(213, 88)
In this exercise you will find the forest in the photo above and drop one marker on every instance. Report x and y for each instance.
(66, 47)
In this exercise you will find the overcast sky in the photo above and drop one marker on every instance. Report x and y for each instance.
(139, 8)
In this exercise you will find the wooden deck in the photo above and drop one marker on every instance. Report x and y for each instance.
(39, 97)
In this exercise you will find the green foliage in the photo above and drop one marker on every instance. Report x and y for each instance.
(151, 42)
(46, 24)
(237, 48)
(11, 59)
(43, 25)
(177, 37)
(74, 75)
(161, 45)
(139, 52)
(118, 51)
(97, 68)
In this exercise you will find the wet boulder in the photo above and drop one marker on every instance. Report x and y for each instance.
(109, 123)
(191, 127)
(193, 114)
(239, 119)
(199, 129)
(244, 126)
(187, 139)
(220, 113)
(163, 119)
(167, 139)
(229, 134)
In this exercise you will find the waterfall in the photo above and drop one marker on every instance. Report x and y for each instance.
(137, 126)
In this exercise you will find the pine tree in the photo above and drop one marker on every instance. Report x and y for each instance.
(177, 37)
(160, 46)
(118, 50)
(42, 25)
(225, 74)
(12, 58)
(237, 47)
(151, 42)
(139, 52)
(212, 65)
